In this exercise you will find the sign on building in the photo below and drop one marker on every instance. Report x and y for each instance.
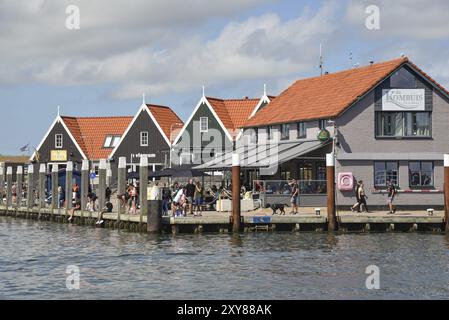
(403, 100)
(58, 155)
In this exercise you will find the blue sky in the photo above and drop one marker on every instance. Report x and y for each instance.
(169, 49)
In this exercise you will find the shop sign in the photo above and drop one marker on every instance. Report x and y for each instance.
(403, 99)
(58, 155)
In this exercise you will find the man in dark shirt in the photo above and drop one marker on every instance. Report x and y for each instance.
(391, 190)
(190, 193)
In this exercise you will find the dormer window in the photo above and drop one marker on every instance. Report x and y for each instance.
(111, 141)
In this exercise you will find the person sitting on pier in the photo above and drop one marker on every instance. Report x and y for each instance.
(76, 207)
(107, 209)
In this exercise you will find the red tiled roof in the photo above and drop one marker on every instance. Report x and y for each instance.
(233, 113)
(327, 96)
(90, 133)
(168, 120)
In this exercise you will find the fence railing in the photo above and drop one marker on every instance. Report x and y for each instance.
(284, 187)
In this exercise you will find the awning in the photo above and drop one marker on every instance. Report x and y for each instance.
(264, 156)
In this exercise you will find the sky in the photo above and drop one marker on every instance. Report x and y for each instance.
(169, 49)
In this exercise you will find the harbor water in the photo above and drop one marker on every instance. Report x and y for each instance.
(116, 264)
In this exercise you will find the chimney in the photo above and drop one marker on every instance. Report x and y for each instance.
(371, 62)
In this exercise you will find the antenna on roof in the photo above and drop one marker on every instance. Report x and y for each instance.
(264, 89)
(204, 94)
(350, 60)
(143, 98)
(321, 60)
(59, 111)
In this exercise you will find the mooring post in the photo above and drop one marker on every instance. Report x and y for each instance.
(121, 187)
(30, 188)
(102, 184)
(236, 214)
(54, 188)
(154, 216)
(42, 174)
(330, 173)
(446, 192)
(8, 188)
(68, 186)
(19, 186)
(2, 182)
(108, 175)
(84, 185)
(143, 196)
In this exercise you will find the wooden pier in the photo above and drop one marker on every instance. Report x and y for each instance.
(306, 220)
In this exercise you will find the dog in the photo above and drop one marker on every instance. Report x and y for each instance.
(276, 207)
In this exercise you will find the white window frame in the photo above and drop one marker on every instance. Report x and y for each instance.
(115, 141)
(107, 142)
(59, 146)
(201, 124)
(142, 143)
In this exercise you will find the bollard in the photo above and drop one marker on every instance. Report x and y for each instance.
(121, 188)
(84, 185)
(68, 186)
(154, 216)
(2, 182)
(446, 192)
(102, 184)
(19, 186)
(108, 175)
(236, 214)
(143, 196)
(54, 187)
(42, 173)
(30, 188)
(330, 173)
(8, 187)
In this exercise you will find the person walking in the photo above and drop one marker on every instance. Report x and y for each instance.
(363, 197)
(357, 196)
(391, 190)
(295, 196)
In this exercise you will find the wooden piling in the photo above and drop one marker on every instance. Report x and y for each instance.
(54, 187)
(121, 187)
(446, 192)
(102, 184)
(154, 216)
(143, 177)
(30, 188)
(19, 186)
(330, 173)
(68, 186)
(9, 187)
(236, 214)
(42, 174)
(84, 185)
(2, 181)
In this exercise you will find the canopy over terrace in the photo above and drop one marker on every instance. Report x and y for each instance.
(263, 156)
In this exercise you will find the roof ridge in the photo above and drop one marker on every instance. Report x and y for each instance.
(233, 99)
(96, 117)
(157, 105)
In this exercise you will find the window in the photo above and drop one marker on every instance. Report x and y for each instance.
(254, 135)
(58, 141)
(301, 128)
(115, 141)
(204, 124)
(144, 139)
(420, 174)
(322, 124)
(403, 79)
(386, 171)
(286, 175)
(111, 141)
(403, 124)
(285, 131)
(270, 133)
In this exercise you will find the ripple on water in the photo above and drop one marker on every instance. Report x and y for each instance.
(121, 265)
